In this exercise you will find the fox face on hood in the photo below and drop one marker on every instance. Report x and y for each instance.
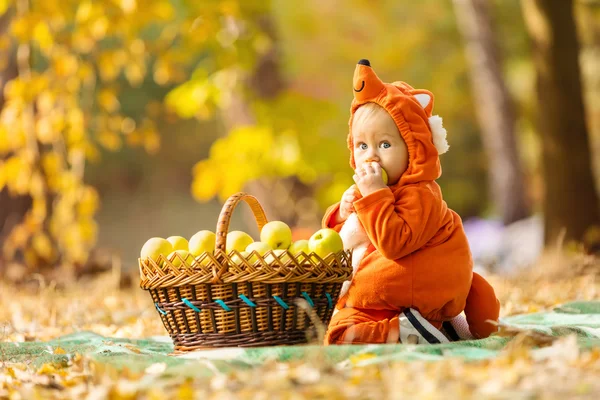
(411, 109)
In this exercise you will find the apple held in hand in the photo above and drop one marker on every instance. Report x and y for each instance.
(384, 175)
(237, 240)
(155, 247)
(325, 242)
(276, 234)
(178, 242)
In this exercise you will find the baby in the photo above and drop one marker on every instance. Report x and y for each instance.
(412, 264)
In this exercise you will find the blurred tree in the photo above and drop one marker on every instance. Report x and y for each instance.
(494, 109)
(570, 202)
(74, 59)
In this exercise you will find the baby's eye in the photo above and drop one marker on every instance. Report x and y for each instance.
(363, 146)
(386, 145)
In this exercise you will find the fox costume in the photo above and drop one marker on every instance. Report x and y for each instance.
(412, 263)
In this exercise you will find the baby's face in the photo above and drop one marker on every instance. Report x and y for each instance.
(376, 138)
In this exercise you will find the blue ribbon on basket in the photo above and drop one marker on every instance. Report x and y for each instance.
(223, 305)
(247, 300)
(159, 310)
(308, 299)
(190, 305)
(329, 301)
(281, 302)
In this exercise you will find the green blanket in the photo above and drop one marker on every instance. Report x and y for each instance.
(581, 319)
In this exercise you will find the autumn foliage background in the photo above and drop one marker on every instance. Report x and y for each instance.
(123, 120)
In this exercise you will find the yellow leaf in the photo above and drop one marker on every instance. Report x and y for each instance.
(135, 73)
(151, 140)
(88, 201)
(42, 245)
(110, 140)
(107, 99)
(42, 35)
(65, 64)
(207, 183)
(59, 350)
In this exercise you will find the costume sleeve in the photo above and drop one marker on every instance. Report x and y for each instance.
(328, 218)
(397, 229)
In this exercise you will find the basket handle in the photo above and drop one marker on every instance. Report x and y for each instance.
(225, 218)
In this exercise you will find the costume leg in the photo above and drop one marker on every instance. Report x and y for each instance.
(354, 326)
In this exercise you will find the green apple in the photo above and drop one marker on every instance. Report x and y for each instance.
(176, 261)
(202, 242)
(281, 254)
(178, 242)
(325, 242)
(237, 240)
(260, 247)
(276, 234)
(237, 259)
(299, 246)
(155, 247)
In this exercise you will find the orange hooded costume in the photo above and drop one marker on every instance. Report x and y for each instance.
(418, 257)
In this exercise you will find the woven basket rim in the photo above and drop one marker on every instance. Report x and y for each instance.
(302, 267)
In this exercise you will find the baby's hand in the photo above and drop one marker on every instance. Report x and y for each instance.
(368, 178)
(346, 204)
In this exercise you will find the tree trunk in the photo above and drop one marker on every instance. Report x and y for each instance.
(281, 199)
(495, 110)
(570, 201)
(12, 209)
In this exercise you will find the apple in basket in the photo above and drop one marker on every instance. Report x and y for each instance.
(237, 240)
(202, 242)
(299, 247)
(154, 247)
(184, 255)
(325, 241)
(178, 242)
(260, 247)
(281, 254)
(276, 234)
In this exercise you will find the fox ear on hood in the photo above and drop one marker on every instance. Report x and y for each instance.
(438, 132)
(425, 98)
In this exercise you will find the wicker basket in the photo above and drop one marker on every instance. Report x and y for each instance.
(212, 301)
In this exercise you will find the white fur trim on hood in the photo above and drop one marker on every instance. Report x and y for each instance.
(438, 132)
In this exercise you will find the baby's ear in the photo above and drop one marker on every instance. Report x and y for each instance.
(425, 98)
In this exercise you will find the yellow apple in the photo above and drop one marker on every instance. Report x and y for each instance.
(176, 261)
(178, 242)
(276, 234)
(299, 246)
(260, 247)
(384, 175)
(325, 242)
(281, 254)
(201, 242)
(155, 247)
(237, 240)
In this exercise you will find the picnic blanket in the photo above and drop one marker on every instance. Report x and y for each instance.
(581, 320)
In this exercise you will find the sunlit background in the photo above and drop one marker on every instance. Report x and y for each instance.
(126, 119)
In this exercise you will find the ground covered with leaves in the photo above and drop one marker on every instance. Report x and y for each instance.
(40, 311)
